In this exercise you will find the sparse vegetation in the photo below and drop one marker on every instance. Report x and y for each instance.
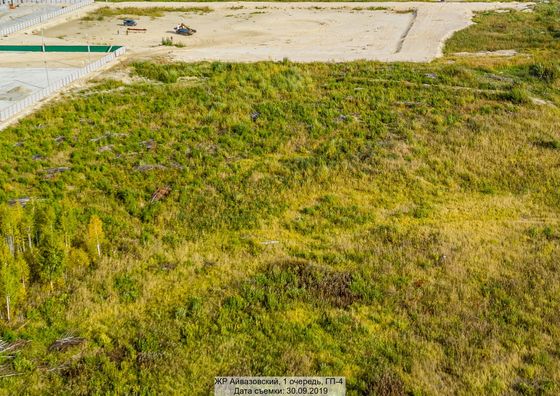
(168, 41)
(126, 12)
(397, 224)
(546, 72)
(519, 30)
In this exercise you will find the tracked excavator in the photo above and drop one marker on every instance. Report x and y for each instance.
(184, 30)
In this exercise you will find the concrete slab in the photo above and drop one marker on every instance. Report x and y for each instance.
(25, 12)
(17, 84)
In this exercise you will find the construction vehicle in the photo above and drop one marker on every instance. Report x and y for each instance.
(184, 30)
(129, 22)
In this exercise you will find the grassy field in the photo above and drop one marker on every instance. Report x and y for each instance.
(524, 31)
(292, 1)
(397, 224)
(279, 1)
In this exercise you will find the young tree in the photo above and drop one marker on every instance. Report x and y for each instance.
(78, 261)
(95, 235)
(44, 220)
(68, 223)
(50, 258)
(10, 219)
(13, 274)
(23, 272)
(26, 230)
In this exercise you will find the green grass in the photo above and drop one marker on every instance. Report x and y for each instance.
(523, 31)
(168, 41)
(154, 12)
(278, 1)
(397, 224)
(296, 1)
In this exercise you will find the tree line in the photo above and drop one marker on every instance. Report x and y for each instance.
(40, 244)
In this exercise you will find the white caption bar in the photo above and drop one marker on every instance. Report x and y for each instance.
(300, 386)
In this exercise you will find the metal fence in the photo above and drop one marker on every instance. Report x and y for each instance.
(5, 3)
(75, 4)
(50, 1)
(52, 88)
(59, 48)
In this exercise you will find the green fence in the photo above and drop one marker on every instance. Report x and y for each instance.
(60, 48)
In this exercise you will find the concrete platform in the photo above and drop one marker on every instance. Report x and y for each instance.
(25, 12)
(17, 84)
(24, 73)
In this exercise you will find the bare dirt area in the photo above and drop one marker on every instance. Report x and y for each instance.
(304, 32)
(48, 59)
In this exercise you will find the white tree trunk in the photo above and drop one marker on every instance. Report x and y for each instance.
(10, 240)
(8, 307)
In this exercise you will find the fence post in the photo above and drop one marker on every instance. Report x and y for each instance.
(75, 4)
(41, 94)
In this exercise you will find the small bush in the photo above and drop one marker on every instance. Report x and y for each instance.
(516, 95)
(381, 380)
(167, 41)
(554, 31)
(552, 144)
(78, 260)
(190, 309)
(545, 72)
(291, 279)
(127, 288)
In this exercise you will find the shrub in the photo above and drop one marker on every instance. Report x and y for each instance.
(78, 260)
(127, 288)
(552, 144)
(516, 95)
(167, 41)
(289, 279)
(545, 72)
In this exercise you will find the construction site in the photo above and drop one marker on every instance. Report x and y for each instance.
(232, 32)
(31, 73)
(289, 198)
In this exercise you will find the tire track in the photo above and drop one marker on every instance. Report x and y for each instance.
(407, 31)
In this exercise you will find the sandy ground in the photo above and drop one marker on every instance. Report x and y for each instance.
(304, 32)
(411, 31)
(50, 59)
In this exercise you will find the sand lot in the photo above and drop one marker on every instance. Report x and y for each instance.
(50, 59)
(412, 31)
